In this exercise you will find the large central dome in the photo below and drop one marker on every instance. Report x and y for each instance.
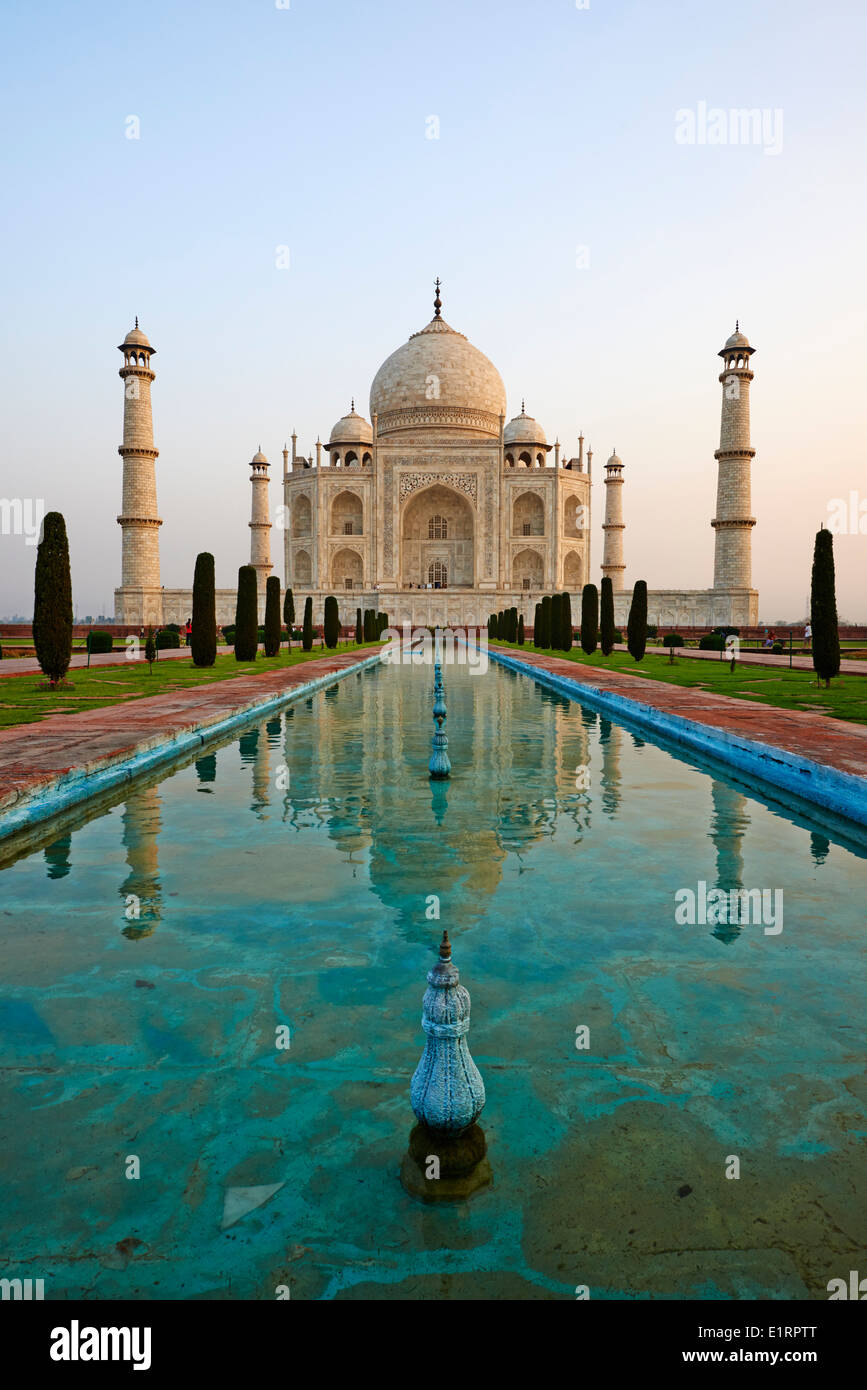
(438, 380)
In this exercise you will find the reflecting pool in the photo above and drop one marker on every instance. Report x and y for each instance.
(159, 1142)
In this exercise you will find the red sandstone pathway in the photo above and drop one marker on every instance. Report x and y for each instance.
(33, 755)
(833, 742)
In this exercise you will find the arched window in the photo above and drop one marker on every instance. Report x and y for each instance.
(438, 528)
(437, 573)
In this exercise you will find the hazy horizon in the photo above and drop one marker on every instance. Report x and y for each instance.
(598, 260)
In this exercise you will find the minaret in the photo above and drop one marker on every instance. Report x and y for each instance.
(260, 524)
(612, 554)
(140, 597)
(733, 524)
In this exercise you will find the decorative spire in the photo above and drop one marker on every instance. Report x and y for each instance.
(523, 406)
(737, 325)
(352, 411)
(447, 1093)
(438, 304)
(136, 320)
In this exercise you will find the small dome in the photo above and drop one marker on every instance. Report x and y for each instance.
(135, 338)
(737, 339)
(614, 461)
(524, 430)
(351, 429)
(258, 457)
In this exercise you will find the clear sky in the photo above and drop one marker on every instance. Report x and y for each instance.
(307, 127)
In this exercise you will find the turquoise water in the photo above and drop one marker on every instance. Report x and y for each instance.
(289, 879)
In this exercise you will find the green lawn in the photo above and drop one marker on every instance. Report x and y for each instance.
(846, 699)
(22, 703)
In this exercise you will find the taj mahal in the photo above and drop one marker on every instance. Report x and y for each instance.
(436, 509)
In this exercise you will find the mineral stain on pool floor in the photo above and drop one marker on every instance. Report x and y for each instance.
(153, 948)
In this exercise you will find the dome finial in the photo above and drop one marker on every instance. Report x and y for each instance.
(136, 320)
(737, 325)
(445, 947)
(438, 304)
(523, 406)
(353, 405)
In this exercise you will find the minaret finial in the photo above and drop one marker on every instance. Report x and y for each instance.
(438, 304)
(445, 946)
(523, 406)
(353, 405)
(136, 320)
(737, 325)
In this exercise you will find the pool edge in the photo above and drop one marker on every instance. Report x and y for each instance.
(81, 784)
(842, 793)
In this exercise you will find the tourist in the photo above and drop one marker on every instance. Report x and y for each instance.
(188, 632)
(808, 635)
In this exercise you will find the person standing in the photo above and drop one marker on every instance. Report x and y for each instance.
(808, 636)
(189, 631)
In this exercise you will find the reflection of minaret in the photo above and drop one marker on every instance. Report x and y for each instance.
(729, 821)
(141, 826)
(610, 738)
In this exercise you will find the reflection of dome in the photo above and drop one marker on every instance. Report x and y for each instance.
(438, 379)
(351, 429)
(524, 430)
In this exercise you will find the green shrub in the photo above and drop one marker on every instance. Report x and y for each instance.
(712, 642)
(229, 634)
(307, 628)
(150, 650)
(52, 600)
(520, 637)
(167, 640)
(545, 639)
(672, 639)
(359, 630)
(777, 648)
(331, 623)
(637, 628)
(203, 638)
(652, 630)
(246, 615)
(556, 621)
(288, 609)
(823, 609)
(272, 634)
(172, 627)
(100, 642)
(589, 618)
(537, 625)
(606, 619)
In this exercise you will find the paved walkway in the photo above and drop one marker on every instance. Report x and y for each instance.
(32, 756)
(833, 742)
(749, 657)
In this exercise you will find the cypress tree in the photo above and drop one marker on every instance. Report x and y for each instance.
(823, 610)
(636, 631)
(520, 638)
(150, 650)
(307, 627)
(537, 625)
(247, 615)
(556, 621)
(606, 625)
(545, 640)
(331, 625)
(566, 643)
(589, 618)
(359, 631)
(203, 639)
(513, 625)
(52, 600)
(272, 615)
(288, 615)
